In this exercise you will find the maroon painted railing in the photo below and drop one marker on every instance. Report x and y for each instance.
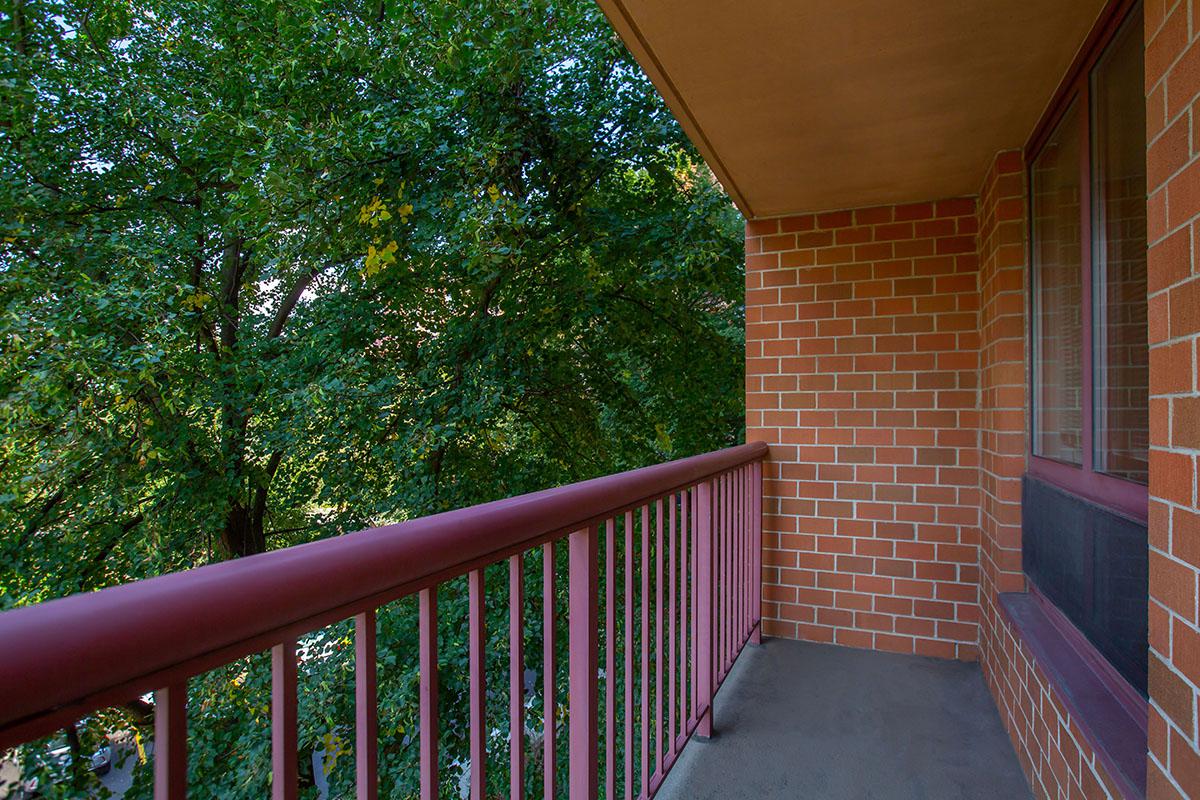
(688, 530)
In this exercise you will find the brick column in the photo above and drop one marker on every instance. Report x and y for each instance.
(1173, 282)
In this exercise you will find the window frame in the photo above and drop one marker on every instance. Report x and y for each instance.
(1119, 494)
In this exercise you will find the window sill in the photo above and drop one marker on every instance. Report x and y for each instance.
(1114, 494)
(1110, 713)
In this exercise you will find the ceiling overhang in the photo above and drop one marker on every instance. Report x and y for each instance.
(826, 104)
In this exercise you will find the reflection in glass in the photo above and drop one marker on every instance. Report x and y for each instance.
(1122, 371)
(1058, 294)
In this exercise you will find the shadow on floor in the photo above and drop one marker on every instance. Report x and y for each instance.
(803, 721)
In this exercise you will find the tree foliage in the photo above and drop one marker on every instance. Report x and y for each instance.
(271, 271)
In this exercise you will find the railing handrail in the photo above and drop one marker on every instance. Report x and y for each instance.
(66, 657)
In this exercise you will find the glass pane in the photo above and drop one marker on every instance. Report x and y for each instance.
(1058, 294)
(1122, 355)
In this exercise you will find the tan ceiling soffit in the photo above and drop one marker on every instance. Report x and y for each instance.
(809, 105)
(619, 18)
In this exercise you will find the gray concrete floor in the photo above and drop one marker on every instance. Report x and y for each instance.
(815, 722)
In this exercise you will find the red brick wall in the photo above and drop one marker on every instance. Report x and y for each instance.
(862, 373)
(891, 387)
(886, 366)
(1173, 283)
(1057, 759)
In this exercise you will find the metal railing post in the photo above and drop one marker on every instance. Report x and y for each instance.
(582, 586)
(756, 549)
(366, 707)
(703, 656)
(427, 634)
(284, 758)
(170, 742)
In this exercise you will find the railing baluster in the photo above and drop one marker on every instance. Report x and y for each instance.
(610, 659)
(739, 582)
(732, 643)
(727, 552)
(627, 538)
(284, 762)
(715, 566)
(719, 578)
(644, 791)
(549, 695)
(729, 572)
(693, 601)
(735, 568)
(734, 583)
(735, 559)
(672, 641)
(703, 655)
(516, 679)
(366, 708)
(684, 604)
(581, 667)
(726, 583)
(428, 656)
(658, 636)
(747, 506)
(744, 551)
(477, 644)
(756, 545)
(722, 579)
(170, 742)
(727, 543)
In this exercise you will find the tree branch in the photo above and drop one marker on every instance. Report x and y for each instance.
(291, 299)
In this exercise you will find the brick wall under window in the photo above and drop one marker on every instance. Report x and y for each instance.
(862, 373)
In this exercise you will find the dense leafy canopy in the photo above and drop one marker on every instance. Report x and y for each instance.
(271, 271)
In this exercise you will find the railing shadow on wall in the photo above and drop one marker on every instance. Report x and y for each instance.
(671, 551)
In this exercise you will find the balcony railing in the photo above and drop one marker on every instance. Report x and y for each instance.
(687, 531)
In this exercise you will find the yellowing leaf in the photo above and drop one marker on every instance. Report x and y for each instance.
(196, 301)
(378, 258)
(374, 213)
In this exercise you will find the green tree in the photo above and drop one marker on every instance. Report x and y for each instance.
(271, 271)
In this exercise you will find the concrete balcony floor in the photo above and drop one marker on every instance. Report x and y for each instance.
(815, 722)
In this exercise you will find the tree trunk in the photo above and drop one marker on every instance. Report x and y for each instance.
(80, 763)
(243, 534)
